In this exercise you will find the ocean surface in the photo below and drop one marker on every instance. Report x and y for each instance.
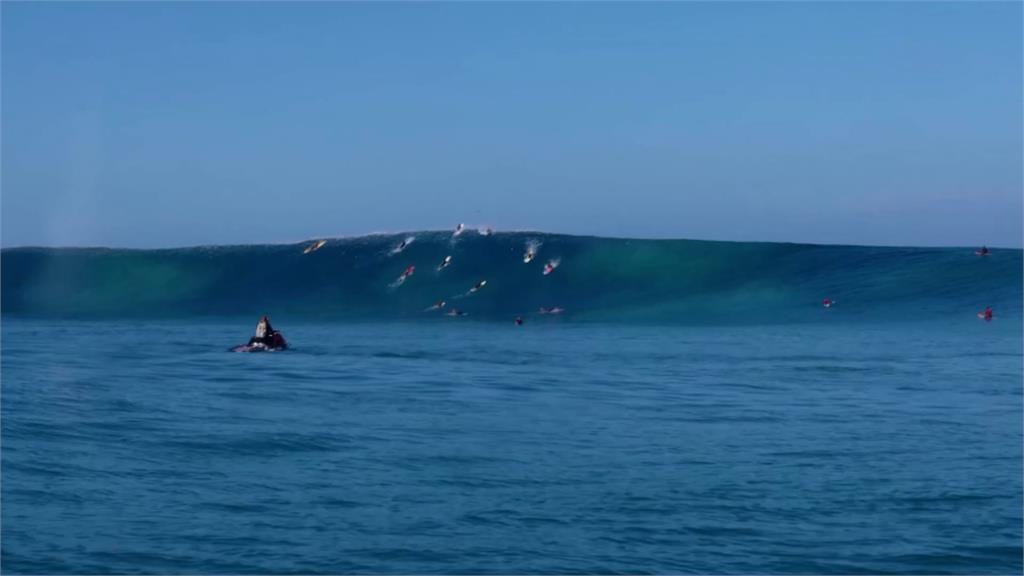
(482, 447)
(695, 409)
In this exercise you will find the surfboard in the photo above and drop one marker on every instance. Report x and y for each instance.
(255, 348)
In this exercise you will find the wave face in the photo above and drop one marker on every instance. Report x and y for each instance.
(601, 279)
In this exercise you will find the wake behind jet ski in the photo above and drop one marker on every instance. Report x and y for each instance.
(266, 339)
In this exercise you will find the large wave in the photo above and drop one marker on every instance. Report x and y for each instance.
(605, 279)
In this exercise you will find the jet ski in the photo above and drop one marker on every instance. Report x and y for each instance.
(273, 343)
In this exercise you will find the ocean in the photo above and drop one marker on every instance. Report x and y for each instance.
(695, 409)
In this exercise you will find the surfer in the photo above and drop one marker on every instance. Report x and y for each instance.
(404, 276)
(455, 312)
(519, 320)
(402, 245)
(444, 263)
(314, 246)
(437, 306)
(551, 265)
(986, 315)
(827, 302)
(267, 336)
(477, 287)
(531, 251)
(983, 251)
(554, 310)
(459, 230)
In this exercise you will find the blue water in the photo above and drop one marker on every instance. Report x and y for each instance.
(598, 280)
(480, 447)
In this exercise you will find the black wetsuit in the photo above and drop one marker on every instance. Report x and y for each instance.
(267, 339)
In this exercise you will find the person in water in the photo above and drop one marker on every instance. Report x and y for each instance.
(987, 314)
(983, 251)
(266, 335)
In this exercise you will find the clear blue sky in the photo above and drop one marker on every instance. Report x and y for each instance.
(170, 124)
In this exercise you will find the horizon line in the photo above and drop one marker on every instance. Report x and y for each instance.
(476, 229)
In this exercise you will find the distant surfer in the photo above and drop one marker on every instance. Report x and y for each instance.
(519, 320)
(402, 245)
(551, 265)
(404, 276)
(553, 310)
(531, 251)
(983, 251)
(827, 302)
(455, 312)
(485, 231)
(459, 230)
(437, 306)
(314, 246)
(476, 287)
(444, 263)
(986, 315)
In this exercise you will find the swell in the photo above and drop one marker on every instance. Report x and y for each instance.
(677, 281)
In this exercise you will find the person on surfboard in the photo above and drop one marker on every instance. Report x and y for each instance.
(266, 335)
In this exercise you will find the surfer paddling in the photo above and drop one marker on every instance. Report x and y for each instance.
(986, 314)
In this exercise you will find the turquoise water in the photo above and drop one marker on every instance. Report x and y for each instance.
(599, 279)
(561, 446)
(694, 409)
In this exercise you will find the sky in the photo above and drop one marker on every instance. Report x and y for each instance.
(176, 124)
